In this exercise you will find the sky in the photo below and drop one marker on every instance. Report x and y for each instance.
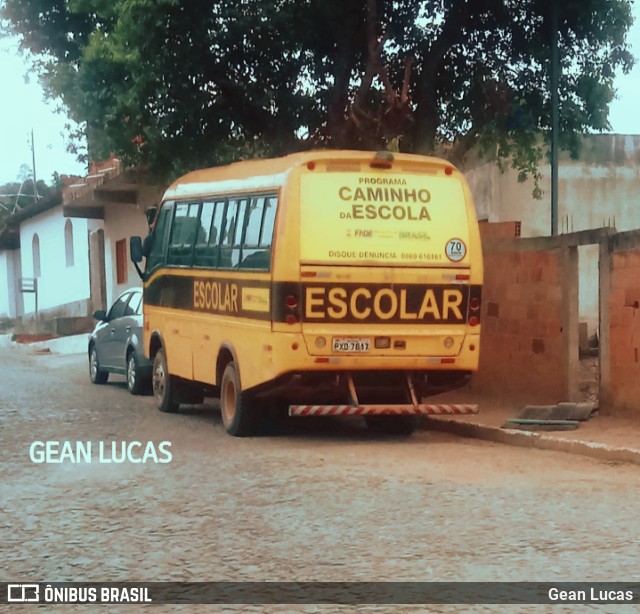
(23, 109)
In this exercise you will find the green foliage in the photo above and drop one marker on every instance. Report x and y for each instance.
(180, 84)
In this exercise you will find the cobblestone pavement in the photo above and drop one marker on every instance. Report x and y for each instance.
(325, 500)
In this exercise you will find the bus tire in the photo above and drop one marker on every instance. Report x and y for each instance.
(393, 425)
(164, 385)
(238, 416)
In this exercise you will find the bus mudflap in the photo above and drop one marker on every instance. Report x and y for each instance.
(355, 408)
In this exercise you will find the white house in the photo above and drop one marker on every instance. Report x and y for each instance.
(55, 253)
(10, 273)
(113, 202)
(73, 250)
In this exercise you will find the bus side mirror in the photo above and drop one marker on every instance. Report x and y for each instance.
(146, 245)
(135, 249)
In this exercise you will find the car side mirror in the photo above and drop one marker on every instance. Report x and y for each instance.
(135, 249)
(101, 315)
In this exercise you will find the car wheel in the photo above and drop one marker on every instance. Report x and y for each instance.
(164, 385)
(135, 383)
(393, 425)
(238, 416)
(97, 375)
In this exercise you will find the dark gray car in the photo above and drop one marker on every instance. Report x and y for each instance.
(115, 345)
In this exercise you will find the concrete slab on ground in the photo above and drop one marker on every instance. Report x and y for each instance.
(605, 437)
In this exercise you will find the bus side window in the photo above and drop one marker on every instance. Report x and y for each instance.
(206, 250)
(183, 234)
(270, 206)
(256, 253)
(232, 238)
(159, 238)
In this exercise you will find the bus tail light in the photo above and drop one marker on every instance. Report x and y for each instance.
(382, 343)
(475, 302)
(291, 305)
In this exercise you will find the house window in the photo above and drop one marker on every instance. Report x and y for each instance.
(68, 242)
(35, 250)
(121, 261)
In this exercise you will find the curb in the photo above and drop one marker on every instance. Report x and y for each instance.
(73, 344)
(525, 439)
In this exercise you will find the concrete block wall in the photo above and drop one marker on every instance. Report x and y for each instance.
(523, 354)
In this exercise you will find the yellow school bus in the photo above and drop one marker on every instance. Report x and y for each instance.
(319, 283)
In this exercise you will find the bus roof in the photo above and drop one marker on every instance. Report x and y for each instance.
(271, 172)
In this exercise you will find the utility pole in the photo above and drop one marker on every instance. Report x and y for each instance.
(555, 84)
(33, 159)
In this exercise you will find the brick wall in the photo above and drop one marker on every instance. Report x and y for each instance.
(529, 340)
(499, 230)
(622, 382)
(523, 349)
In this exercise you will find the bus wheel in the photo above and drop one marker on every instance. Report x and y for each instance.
(164, 387)
(238, 416)
(394, 425)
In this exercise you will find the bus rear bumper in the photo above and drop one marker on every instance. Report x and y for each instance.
(427, 409)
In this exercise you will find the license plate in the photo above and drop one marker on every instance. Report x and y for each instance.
(351, 344)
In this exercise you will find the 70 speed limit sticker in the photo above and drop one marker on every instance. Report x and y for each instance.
(455, 250)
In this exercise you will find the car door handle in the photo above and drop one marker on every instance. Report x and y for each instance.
(113, 331)
(128, 329)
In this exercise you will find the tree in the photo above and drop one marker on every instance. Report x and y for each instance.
(177, 84)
